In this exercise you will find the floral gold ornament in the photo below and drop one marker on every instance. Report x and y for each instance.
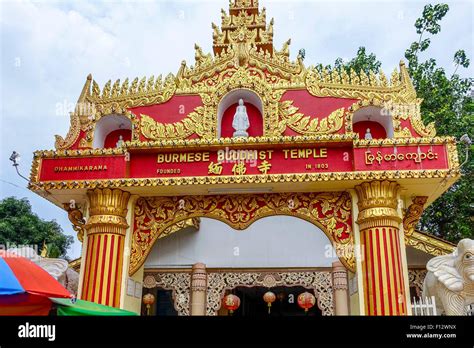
(307, 125)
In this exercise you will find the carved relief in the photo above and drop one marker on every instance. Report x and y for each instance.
(178, 282)
(413, 214)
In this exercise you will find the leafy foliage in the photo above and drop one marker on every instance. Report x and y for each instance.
(447, 101)
(20, 226)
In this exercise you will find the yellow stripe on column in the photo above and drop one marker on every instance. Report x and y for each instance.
(390, 272)
(386, 295)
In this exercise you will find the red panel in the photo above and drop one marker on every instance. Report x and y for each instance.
(112, 167)
(376, 129)
(114, 136)
(174, 110)
(255, 119)
(405, 158)
(337, 159)
(317, 107)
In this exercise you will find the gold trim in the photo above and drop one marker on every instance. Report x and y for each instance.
(429, 244)
(193, 222)
(244, 179)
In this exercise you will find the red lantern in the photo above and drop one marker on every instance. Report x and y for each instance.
(269, 297)
(306, 300)
(148, 300)
(231, 303)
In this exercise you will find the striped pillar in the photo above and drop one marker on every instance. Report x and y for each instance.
(106, 230)
(382, 268)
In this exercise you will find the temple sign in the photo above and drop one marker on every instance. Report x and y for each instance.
(241, 121)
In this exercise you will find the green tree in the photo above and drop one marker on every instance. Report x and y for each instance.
(448, 102)
(20, 226)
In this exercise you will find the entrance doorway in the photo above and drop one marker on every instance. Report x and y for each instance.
(286, 303)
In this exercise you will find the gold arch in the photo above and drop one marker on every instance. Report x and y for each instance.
(330, 211)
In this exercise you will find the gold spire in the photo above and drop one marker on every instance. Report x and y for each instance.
(243, 23)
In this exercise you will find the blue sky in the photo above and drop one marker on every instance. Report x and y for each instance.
(49, 47)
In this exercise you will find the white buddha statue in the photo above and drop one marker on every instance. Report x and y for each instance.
(368, 135)
(241, 121)
(120, 142)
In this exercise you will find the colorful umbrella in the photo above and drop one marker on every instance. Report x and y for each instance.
(86, 308)
(25, 287)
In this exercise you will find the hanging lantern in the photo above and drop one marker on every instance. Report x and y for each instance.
(269, 297)
(306, 300)
(281, 296)
(148, 300)
(231, 303)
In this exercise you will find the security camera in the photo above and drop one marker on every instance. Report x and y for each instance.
(15, 157)
(465, 140)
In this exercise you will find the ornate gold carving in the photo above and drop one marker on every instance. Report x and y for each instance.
(76, 218)
(178, 282)
(80, 119)
(413, 214)
(243, 53)
(340, 84)
(378, 202)
(219, 282)
(300, 123)
(193, 222)
(429, 244)
(329, 211)
(72, 135)
(192, 124)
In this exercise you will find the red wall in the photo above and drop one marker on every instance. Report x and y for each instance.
(112, 138)
(255, 119)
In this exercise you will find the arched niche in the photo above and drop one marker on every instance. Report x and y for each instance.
(379, 122)
(227, 108)
(109, 129)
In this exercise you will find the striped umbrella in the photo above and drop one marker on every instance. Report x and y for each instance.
(25, 287)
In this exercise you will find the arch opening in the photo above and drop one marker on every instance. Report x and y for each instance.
(110, 129)
(375, 119)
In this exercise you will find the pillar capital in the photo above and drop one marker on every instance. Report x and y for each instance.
(378, 202)
(107, 211)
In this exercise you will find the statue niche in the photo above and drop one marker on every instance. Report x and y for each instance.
(240, 115)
